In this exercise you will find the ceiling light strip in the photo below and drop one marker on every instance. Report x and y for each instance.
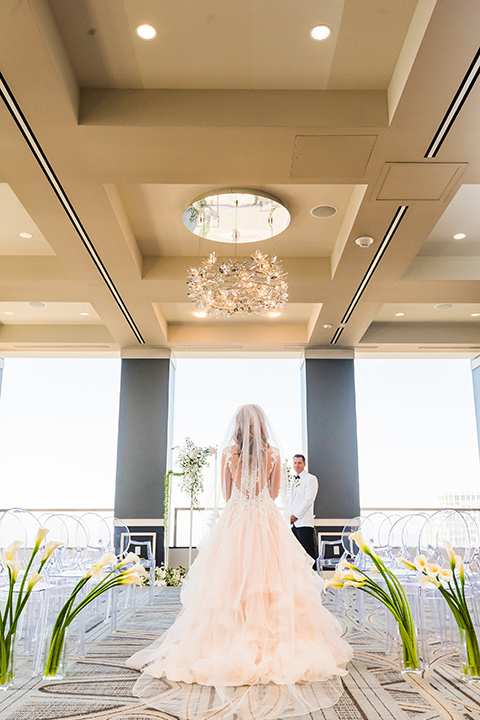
(41, 158)
(456, 105)
(397, 219)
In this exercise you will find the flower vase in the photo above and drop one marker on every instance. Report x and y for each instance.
(408, 652)
(7, 665)
(56, 657)
(471, 657)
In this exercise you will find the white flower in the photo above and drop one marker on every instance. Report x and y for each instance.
(425, 580)
(108, 558)
(41, 534)
(34, 579)
(433, 569)
(15, 568)
(420, 562)
(50, 547)
(9, 553)
(450, 551)
(461, 567)
(139, 569)
(357, 538)
(333, 583)
(406, 564)
(130, 557)
(446, 575)
(131, 579)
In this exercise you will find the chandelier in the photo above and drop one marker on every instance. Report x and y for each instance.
(253, 285)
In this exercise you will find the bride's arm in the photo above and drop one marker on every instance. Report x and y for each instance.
(226, 477)
(275, 476)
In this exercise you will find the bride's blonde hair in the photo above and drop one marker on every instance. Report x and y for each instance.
(250, 416)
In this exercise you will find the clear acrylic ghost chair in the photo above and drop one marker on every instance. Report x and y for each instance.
(69, 564)
(403, 542)
(143, 549)
(20, 524)
(120, 542)
(353, 554)
(452, 526)
(100, 535)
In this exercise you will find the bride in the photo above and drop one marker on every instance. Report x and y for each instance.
(253, 637)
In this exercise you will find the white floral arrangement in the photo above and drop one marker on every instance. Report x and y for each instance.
(192, 459)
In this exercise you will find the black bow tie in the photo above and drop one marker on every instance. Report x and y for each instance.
(297, 477)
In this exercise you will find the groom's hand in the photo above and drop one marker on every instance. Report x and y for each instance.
(293, 519)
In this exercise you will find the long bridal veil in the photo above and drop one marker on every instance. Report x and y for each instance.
(253, 638)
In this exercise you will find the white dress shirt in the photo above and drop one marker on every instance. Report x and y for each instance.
(302, 496)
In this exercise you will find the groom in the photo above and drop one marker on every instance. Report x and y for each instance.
(303, 492)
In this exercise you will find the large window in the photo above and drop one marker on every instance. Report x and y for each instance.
(416, 434)
(58, 433)
(207, 393)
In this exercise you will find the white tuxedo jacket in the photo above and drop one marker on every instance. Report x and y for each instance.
(302, 496)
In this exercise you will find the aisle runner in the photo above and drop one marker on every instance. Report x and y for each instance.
(100, 686)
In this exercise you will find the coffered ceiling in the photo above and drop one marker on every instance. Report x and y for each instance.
(105, 139)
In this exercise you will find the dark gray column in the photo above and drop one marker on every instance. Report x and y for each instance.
(332, 436)
(476, 394)
(143, 447)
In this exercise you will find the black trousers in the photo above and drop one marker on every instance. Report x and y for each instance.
(307, 538)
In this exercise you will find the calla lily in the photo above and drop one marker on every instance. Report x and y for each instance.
(433, 569)
(130, 557)
(446, 575)
(9, 553)
(333, 583)
(14, 567)
(405, 563)
(353, 583)
(109, 558)
(50, 547)
(41, 534)
(136, 569)
(420, 562)
(426, 580)
(450, 552)
(357, 538)
(132, 579)
(34, 579)
(461, 567)
(343, 564)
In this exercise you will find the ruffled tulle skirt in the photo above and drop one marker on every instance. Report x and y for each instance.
(253, 637)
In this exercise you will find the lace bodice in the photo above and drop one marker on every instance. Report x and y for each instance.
(250, 487)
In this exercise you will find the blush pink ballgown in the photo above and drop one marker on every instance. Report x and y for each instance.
(253, 638)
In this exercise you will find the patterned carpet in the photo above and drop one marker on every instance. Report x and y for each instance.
(100, 686)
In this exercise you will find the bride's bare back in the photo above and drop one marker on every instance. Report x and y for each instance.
(249, 485)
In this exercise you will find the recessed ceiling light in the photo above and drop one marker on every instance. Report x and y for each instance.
(443, 306)
(146, 32)
(365, 241)
(84, 313)
(200, 314)
(459, 236)
(399, 314)
(274, 314)
(327, 326)
(473, 314)
(7, 312)
(25, 235)
(37, 304)
(320, 32)
(323, 211)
